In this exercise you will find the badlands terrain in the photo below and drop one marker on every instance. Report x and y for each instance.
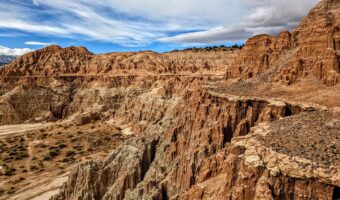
(261, 122)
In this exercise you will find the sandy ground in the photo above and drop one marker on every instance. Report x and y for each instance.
(20, 128)
(37, 188)
(42, 188)
(46, 184)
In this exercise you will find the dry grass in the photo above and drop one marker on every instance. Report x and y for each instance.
(55, 148)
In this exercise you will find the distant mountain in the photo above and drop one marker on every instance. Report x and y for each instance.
(4, 59)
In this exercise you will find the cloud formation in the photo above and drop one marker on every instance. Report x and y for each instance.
(14, 52)
(216, 35)
(35, 43)
(262, 17)
(139, 23)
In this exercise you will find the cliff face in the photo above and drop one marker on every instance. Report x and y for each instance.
(51, 83)
(78, 61)
(189, 137)
(49, 60)
(209, 146)
(311, 50)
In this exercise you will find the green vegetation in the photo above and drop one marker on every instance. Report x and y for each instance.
(34, 168)
(9, 171)
(62, 145)
(52, 154)
(212, 48)
(70, 153)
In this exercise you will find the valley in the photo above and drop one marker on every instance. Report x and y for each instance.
(257, 122)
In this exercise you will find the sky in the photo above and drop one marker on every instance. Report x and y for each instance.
(135, 25)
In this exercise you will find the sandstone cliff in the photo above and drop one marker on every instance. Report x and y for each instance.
(78, 61)
(311, 50)
(192, 137)
(204, 147)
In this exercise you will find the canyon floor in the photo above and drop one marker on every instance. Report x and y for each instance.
(36, 158)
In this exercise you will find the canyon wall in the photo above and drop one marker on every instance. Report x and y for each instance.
(190, 139)
(56, 61)
(311, 50)
(201, 146)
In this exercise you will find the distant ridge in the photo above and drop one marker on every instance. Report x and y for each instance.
(5, 59)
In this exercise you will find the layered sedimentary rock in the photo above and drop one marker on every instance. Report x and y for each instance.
(191, 140)
(311, 50)
(51, 83)
(78, 61)
(209, 150)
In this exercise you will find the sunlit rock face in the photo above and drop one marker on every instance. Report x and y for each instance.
(190, 133)
(311, 50)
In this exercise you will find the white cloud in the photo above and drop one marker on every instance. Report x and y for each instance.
(35, 2)
(10, 34)
(262, 17)
(35, 43)
(14, 52)
(138, 23)
(216, 35)
(128, 22)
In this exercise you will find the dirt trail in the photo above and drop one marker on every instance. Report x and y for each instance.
(42, 188)
(6, 130)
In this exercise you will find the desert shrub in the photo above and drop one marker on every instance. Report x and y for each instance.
(47, 157)
(70, 153)
(43, 135)
(62, 145)
(23, 155)
(78, 147)
(54, 152)
(41, 145)
(34, 167)
(54, 147)
(41, 164)
(8, 158)
(13, 152)
(9, 171)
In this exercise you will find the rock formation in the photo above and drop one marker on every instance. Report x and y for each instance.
(311, 50)
(193, 138)
(78, 61)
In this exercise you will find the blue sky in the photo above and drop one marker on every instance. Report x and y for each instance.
(134, 25)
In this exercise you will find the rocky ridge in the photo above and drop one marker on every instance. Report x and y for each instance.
(311, 50)
(191, 138)
(78, 61)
